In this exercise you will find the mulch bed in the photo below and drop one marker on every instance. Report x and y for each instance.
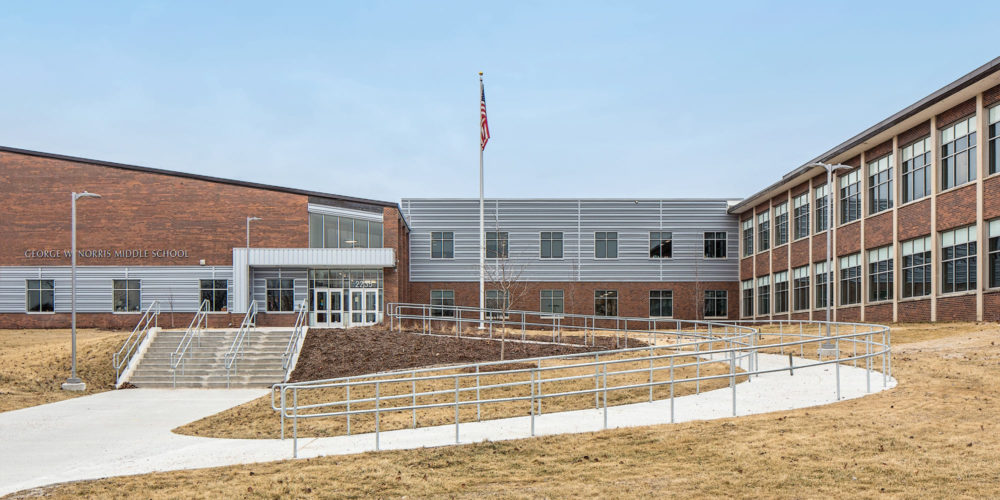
(359, 351)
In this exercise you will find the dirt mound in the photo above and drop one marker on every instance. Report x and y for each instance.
(358, 351)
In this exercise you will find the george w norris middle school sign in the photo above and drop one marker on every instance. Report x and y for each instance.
(131, 253)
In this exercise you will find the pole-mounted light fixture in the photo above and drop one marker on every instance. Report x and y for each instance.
(73, 383)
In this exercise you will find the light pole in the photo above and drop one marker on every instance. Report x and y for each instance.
(73, 383)
(249, 220)
(829, 239)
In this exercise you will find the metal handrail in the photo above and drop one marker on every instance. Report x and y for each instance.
(589, 325)
(198, 323)
(123, 356)
(235, 351)
(298, 332)
(737, 348)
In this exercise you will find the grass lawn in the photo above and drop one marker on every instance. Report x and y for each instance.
(935, 435)
(35, 363)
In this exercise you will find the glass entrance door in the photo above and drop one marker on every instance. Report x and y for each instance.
(364, 306)
(327, 308)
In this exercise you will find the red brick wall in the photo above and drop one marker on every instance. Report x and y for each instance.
(915, 133)
(879, 151)
(960, 308)
(762, 258)
(633, 297)
(881, 313)
(912, 311)
(848, 314)
(991, 96)
(956, 208)
(914, 220)
(800, 253)
(396, 236)
(957, 113)
(991, 306)
(746, 268)
(848, 239)
(819, 247)
(138, 210)
(878, 230)
(779, 259)
(991, 198)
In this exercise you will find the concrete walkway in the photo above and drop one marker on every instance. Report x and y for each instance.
(128, 432)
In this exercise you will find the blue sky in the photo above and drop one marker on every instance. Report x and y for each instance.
(380, 99)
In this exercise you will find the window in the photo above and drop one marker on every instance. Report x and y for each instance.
(716, 304)
(748, 237)
(763, 230)
(958, 260)
(916, 267)
(715, 245)
(606, 302)
(781, 224)
(126, 295)
(800, 206)
(880, 262)
(499, 300)
(661, 303)
(551, 245)
(747, 298)
(994, 140)
(764, 295)
(880, 184)
(216, 292)
(822, 214)
(280, 294)
(850, 197)
(822, 278)
(330, 231)
(994, 255)
(916, 159)
(442, 303)
(781, 292)
(850, 279)
(496, 244)
(552, 302)
(605, 245)
(958, 153)
(800, 288)
(661, 245)
(442, 245)
(39, 295)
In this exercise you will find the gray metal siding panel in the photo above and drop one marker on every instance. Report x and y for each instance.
(259, 276)
(177, 288)
(578, 220)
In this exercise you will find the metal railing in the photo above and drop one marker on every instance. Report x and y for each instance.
(733, 349)
(463, 321)
(235, 351)
(123, 356)
(298, 333)
(198, 324)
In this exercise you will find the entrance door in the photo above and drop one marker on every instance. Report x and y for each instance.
(364, 306)
(327, 308)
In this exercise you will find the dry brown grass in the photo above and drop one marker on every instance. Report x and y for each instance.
(934, 436)
(256, 419)
(35, 363)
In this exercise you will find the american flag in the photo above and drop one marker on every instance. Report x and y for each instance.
(484, 128)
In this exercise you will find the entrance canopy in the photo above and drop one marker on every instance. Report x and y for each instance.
(347, 258)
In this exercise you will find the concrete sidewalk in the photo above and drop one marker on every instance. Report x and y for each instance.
(128, 432)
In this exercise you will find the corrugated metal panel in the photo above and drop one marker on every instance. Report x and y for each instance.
(524, 219)
(178, 288)
(321, 257)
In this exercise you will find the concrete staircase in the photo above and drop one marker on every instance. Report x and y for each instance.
(205, 364)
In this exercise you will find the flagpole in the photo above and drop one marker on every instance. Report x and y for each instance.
(482, 227)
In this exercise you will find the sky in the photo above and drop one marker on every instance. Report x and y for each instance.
(381, 99)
